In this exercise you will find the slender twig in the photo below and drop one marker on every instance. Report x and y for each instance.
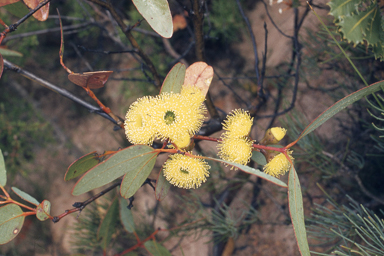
(132, 40)
(254, 45)
(79, 206)
(63, 92)
(45, 31)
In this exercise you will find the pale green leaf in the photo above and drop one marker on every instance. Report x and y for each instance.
(340, 105)
(252, 171)
(162, 187)
(366, 25)
(259, 158)
(25, 196)
(126, 216)
(156, 248)
(295, 200)
(108, 225)
(174, 80)
(133, 179)
(341, 8)
(157, 14)
(11, 222)
(129, 159)
(3, 172)
(43, 210)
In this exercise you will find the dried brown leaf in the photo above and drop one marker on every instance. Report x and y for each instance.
(92, 80)
(42, 13)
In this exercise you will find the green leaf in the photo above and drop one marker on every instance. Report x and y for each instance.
(156, 248)
(108, 225)
(341, 8)
(3, 171)
(259, 158)
(135, 178)
(82, 165)
(340, 105)
(174, 80)
(253, 171)
(162, 187)
(366, 25)
(43, 210)
(7, 52)
(11, 222)
(126, 216)
(19, 9)
(25, 196)
(133, 159)
(295, 200)
(157, 14)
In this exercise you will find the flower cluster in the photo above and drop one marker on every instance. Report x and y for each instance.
(235, 144)
(173, 116)
(278, 165)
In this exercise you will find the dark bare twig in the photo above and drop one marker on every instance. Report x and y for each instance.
(79, 206)
(132, 40)
(63, 92)
(45, 31)
(254, 45)
(14, 26)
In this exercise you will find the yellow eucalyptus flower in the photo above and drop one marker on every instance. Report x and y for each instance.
(173, 117)
(278, 165)
(238, 124)
(278, 132)
(137, 125)
(192, 95)
(236, 150)
(185, 171)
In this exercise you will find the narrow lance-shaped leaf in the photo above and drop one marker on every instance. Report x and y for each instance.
(295, 200)
(3, 172)
(108, 225)
(132, 158)
(340, 105)
(25, 196)
(253, 171)
(11, 222)
(162, 187)
(157, 14)
(126, 216)
(174, 80)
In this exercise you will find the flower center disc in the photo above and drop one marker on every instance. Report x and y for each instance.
(169, 117)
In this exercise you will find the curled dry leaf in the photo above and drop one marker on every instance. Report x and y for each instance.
(199, 74)
(6, 2)
(92, 80)
(179, 22)
(42, 13)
